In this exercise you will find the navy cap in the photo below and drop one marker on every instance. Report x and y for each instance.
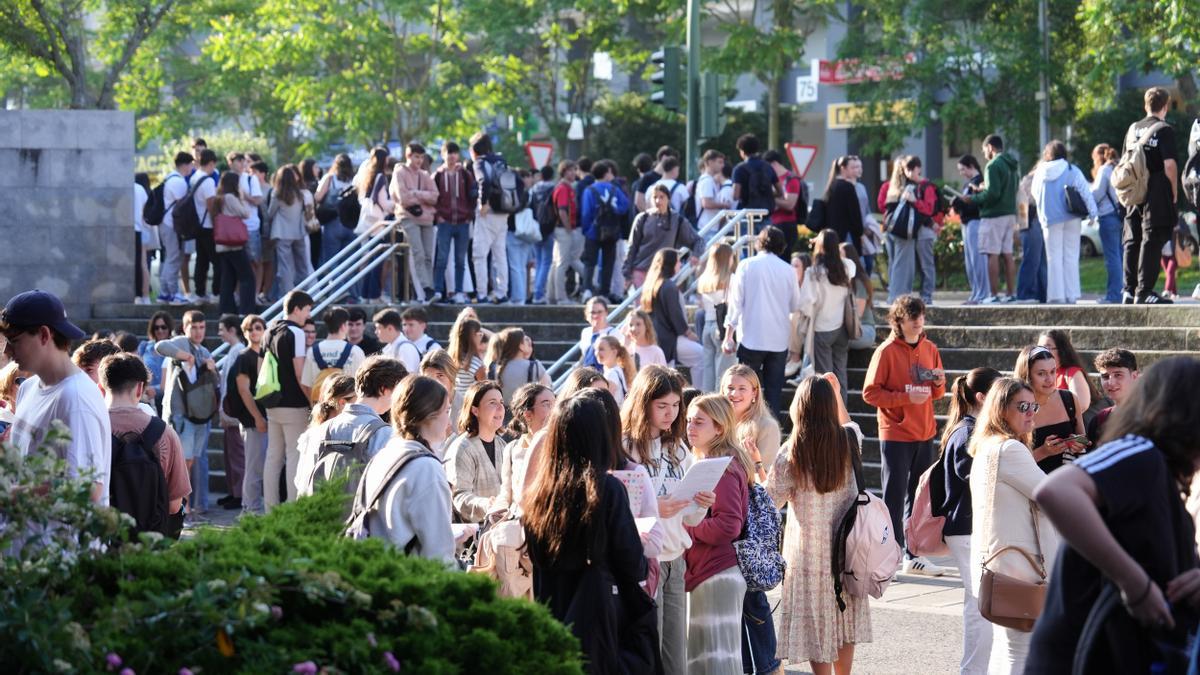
(39, 308)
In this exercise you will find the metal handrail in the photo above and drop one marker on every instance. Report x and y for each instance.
(326, 286)
(709, 236)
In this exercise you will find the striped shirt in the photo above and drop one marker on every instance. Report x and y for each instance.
(467, 375)
(1114, 452)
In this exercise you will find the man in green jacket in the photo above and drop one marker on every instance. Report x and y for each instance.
(997, 203)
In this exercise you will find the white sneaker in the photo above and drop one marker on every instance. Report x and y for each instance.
(192, 298)
(1196, 292)
(792, 368)
(920, 566)
(585, 296)
(459, 298)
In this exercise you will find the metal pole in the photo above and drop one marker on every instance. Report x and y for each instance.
(692, 151)
(1043, 94)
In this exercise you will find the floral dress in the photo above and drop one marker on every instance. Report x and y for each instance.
(810, 625)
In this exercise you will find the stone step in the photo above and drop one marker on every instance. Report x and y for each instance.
(1087, 315)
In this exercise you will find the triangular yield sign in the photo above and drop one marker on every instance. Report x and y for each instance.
(539, 154)
(801, 157)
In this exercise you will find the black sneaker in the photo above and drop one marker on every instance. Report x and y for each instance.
(234, 504)
(225, 500)
(502, 300)
(1153, 298)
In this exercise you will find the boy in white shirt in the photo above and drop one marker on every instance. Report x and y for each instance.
(204, 184)
(332, 352)
(38, 336)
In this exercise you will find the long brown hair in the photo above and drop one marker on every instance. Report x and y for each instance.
(1029, 355)
(523, 400)
(861, 278)
(508, 346)
(1163, 408)
(652, 383)
(286, 186)
(962, 397)
(1102, 154)
(368, 170)
(1069, 358)
(334, 389)
(462, 342)
(561, 504)
(662, 268)
(992, 424)
(828, 255)
(417, 399)
(818, 448)
(719, 410)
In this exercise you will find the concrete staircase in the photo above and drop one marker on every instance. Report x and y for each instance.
(967, 337)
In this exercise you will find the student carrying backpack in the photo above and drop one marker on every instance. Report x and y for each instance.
(326, 370)
(608, 221)
(155, 209)
(340, 454)
(358, 523)
(187, 220)
(691, 210)
(1131, 177)
(865, 552)
(544, 210)
(759, 550)
(137, 485)
(201, 397)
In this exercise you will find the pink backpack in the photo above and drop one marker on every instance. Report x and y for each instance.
(865, 552)
(923, 530)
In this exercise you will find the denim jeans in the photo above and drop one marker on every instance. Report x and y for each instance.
(334, 238)
(758, 635)
(520, 253)
(715, 361)
(1032, 275)
(194, 440)
(1110, 241)
(903, 464)
(977, 264)
(545, 256)
(769, 366)
(456, 234)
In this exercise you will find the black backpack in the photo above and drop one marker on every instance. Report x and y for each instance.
(542, 203)
(348, 207)
(816, 216)
(232, 405)
(155, 209)
(137, 485)
(608, 221)
(187, 220)
(691, 209)
(503, 187)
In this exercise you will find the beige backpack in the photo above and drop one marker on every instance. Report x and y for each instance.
(1131, 178)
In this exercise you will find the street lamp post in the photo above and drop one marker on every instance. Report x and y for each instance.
(691, 153)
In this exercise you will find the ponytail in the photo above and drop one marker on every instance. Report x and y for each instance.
(962, 398)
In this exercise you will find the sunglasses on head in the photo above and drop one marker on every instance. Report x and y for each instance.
(1025, 407)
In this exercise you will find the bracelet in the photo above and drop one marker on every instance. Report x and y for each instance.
(1141, 598)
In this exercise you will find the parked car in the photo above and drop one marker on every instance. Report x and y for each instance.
(1089, 236)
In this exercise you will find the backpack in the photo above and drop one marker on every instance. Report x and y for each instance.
(326, 370)
(202, 398)
(759, 549)
(267, 389)
(232, 405)
(349, 209)
(1076, 205)
(342, 456)
(923, 529)
(187, 220)
(901, 222)
(504, 188)
(137, 485)
(544, 211)
(761, 193)
(500, 553)
(608, 221)
(1131, 178)
(815, 221)
(939, 203)
(865, 552)
(691, 210)
(1190, 178)
(358, 524)
(156, 208)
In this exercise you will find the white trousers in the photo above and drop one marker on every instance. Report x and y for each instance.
(1062, 260)
(489, 235)
(977, 631)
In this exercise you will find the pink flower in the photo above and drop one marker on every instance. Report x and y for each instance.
(305, 668)
(371, 640)
(276, 612)
(127, 671)
(391, 661)
(113, 660)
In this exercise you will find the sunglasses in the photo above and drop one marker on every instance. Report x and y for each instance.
(19, 381)
(1024, 407)
(160, 326)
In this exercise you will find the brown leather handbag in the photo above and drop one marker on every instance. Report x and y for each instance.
(1005, 600)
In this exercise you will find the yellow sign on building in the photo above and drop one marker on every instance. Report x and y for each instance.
(850, 115)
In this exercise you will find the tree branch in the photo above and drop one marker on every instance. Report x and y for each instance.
(146, 21)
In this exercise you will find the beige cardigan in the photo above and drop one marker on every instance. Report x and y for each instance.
(474, 481)
(1003, 478)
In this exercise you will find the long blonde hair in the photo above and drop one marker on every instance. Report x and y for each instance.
(991, 424)
(718, 269)
(899, 180)
(759, 413)
(624, 358)
(726, 444)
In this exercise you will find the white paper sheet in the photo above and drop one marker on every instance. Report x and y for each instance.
(702, 477)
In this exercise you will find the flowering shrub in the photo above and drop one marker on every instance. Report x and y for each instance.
(282, 593)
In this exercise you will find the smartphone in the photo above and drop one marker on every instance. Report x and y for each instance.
(1078, 438)
(4, 427)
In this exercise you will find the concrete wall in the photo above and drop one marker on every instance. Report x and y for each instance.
(66, 205)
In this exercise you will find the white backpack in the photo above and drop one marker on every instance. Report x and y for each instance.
(865, 552)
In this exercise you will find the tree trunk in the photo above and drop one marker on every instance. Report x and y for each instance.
(773, 141)
(1187, 87)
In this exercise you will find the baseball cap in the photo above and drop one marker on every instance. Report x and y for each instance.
(39, 308)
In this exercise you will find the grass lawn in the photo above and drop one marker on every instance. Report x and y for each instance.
(1092, 278)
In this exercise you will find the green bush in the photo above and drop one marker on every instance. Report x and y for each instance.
(271, 595)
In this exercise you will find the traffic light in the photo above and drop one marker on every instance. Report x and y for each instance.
(712, 106)
(667, 76)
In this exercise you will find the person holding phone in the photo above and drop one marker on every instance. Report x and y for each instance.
(1058, 434)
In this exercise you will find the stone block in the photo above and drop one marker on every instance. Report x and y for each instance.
(103, 129)
(48, 129)
(12, 173)
(99, 207)
(10, 128)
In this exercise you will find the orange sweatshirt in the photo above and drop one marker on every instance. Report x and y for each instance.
(895, 367)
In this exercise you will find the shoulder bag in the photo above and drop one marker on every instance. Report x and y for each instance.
(851, 321)
(1004, 600)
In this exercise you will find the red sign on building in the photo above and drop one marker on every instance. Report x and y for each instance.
(854, 71)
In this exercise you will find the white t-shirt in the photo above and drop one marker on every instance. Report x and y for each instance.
(139, 204)
(76, 401)
(207, 188)
(250, 187)
(726, 193)
(175, 188)
(331, 351)
(707, 188)
(679, 193)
